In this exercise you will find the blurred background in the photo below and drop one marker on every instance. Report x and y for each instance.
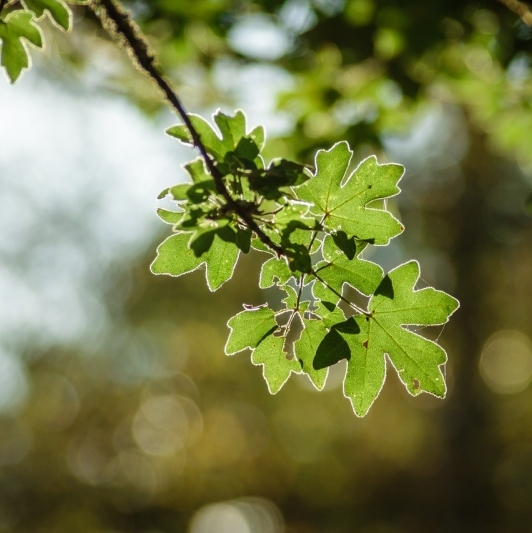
(119, 411)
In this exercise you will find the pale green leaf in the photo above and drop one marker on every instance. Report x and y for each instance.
(343, 200)
(249, 328)
(276, 367)
(16, 30)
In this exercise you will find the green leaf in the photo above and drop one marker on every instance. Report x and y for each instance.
(175, 258)
(228, 140)
(417, 360)
(276, 367)
(170, 217)
(196, 171)
(280, 173)
(290, 301)
(337, 270)
(343, 201)
(292, 215)
(243, 239)
(326, 305)
(18, 25)
(179, 192)
(58, 10)
(257, 244)
(249, 328)
(274, 269)
(221, 260)
(306, 347)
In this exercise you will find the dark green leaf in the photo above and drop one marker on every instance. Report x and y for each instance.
(306, 347)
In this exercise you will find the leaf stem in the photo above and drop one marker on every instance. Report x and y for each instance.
(345, 300)
(127, 30)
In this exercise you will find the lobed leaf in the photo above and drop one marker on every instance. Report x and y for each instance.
(230, 138)
(417, 360)
(58, 11)
(249, 328)
(276, 367)
(306, 347)
(274, 269)
(175, 258)
(17, 29)
(343, 201)
(337, 270)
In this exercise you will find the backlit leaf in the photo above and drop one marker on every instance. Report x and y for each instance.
(417, 360)
(343, 200)
(276, 367)
(249, 328)
(16, 31)
(58, 10)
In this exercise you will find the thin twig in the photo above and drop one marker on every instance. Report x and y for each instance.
(125, 28)
(520, 8)
(138, 48)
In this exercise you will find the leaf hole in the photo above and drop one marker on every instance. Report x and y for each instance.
(416, 383)
(365, 343)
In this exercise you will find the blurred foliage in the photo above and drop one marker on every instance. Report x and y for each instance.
(145, 429)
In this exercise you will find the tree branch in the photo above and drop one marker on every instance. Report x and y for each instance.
(520, 8)
(128, 32)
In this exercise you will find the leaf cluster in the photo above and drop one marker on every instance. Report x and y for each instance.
(314, 228)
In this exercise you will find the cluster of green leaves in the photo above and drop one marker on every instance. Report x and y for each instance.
(313, 228)
(19, 27)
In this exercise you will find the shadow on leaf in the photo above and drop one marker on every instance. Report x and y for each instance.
(333, 347)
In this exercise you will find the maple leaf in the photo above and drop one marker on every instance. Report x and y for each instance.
(16, 30)
(232, 137)
(254, 329)
(337, 269)
(343, 201)
(58, 10)
(364, 340)
(174, 257)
